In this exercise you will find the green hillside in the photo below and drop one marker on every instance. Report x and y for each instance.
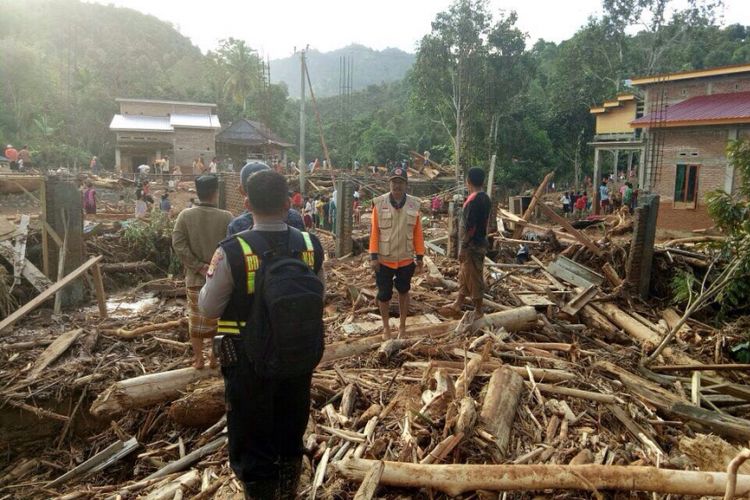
(370, 67)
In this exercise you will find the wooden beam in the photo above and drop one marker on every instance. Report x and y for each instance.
(573, 231)
(455, 479)
(518, 231)
(32, 274)
(47, 294)
(101, 296)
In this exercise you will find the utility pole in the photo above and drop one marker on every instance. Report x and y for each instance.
(302, 164)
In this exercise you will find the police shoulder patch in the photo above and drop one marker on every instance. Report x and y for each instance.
(218, 256)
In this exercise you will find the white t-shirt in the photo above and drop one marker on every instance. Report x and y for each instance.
(212, 167)
(356, 195)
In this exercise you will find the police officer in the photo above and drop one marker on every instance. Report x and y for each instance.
(245, 220)
(266, 418)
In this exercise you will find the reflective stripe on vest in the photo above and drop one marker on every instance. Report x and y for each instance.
(252, 262)
(230, 327)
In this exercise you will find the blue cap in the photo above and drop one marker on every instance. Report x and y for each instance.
(249, 169)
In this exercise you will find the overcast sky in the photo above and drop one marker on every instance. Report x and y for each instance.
(276, 27)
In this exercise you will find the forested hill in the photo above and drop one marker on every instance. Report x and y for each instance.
(369, 67)
(63, 63)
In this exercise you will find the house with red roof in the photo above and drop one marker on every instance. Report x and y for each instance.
(686, 121)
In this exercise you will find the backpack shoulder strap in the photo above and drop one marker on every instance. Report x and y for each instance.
(257, 242)
(301, 245)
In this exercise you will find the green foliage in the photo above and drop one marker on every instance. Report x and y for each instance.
(731, 213)
(151, 240)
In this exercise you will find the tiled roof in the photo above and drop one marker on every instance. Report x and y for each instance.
(701, 110)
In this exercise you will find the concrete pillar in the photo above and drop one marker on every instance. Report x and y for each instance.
(596, 181)
(642, 170)
(343, 224)
(61, 196)
(616, 152)
(118, 159)
(630, 164)
(729, 171)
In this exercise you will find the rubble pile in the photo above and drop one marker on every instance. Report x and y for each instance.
(549, 386)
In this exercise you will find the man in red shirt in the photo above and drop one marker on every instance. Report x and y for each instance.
(473, 249)
(12, 154)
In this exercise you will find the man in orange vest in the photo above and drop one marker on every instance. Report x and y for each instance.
(396, 247)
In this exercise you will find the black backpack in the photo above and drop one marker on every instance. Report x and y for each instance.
(284, 332)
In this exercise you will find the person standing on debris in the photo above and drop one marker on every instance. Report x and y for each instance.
(89, 198)
(93, 166)
(580, 205)
(165, 205)
(627, 197)
(11, 154)
(213, 166)
(268, 392)
(604, 196)
(565, 201)
(141, 208)
(473, 248)
(396, 239)
(25, 156)
(196, 234)
(436, 205)
(245, 220)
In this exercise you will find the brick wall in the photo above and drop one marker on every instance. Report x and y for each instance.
(233, 200)
(189, 143)
(702, 146)
(685, 89)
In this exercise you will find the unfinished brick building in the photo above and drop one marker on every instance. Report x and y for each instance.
(688, 120)
(147, 130)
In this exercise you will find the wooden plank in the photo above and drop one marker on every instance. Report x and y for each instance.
(101, 296)
(713, 367)
(579, 301)
(33, 275)
(518, 231)
(46, 294)
(100, 461)
(570, 229)
(370, 483)
(54, 351)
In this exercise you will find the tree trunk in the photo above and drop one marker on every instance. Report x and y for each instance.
(154, 388)
(500, 402)
(455, 479)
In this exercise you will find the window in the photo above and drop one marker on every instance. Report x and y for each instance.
(686, 186)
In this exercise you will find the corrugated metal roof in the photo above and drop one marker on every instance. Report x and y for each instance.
(163, 123)
(731, 108)
(140, 123)
(249, 133)
(194, 121)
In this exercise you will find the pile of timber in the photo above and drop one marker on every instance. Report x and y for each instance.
(545, 392)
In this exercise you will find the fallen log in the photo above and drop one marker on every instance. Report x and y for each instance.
(154, 388)
(454, 479)
(204, 406)
(647, 337)
(500, 402)
(146, 390)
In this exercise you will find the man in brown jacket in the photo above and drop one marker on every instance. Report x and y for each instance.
(197, 233)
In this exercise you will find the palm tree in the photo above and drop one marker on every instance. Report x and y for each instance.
(242, 69)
